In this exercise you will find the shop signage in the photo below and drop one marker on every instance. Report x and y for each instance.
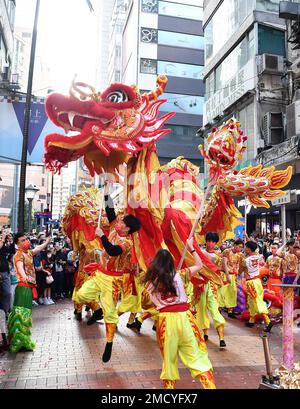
(290, 197)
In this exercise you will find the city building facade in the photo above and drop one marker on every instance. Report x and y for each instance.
(245, 74)
(166, 37)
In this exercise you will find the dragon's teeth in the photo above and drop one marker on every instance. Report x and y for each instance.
(71, 116)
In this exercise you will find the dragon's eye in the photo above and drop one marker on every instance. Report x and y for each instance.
(117, 96)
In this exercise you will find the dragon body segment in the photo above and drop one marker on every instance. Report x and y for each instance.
(119, 128)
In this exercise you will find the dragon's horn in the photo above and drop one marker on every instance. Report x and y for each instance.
(161, 82)
(77, 92)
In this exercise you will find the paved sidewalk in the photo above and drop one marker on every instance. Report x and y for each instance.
(68, 355)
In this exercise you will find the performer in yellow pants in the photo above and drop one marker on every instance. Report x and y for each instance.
(232, 260)
(178, 333)
(254, 288)
(108, 280)
(177, 330)
(207, 298)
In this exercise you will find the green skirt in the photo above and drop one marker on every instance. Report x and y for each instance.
(20, 321)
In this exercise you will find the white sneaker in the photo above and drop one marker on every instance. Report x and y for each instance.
(50, 301)
(45, 301)
(34, 303)
(41, 300)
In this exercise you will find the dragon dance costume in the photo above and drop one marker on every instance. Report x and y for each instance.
(276, 268)
(228, 292)
(113, 277)
(178, 333)
(20, 318)
(291, 268)
(206, 299)
(254, 289)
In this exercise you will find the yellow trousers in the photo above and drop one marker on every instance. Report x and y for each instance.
(131, 295)
(208, 302)
(227, 294)
(255, 298)
(82, 277)
(109, 288)
(178, 333)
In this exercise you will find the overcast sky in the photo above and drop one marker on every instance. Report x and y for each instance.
(66, 38)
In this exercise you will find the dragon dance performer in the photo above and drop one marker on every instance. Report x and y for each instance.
(205, 294)
(254, 288)
(80, 278)
(232, 260)
(177, 330)
(276, 266)
(20, 318)
(291, 272)
(108, 276)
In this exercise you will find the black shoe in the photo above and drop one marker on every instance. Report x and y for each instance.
(97, 315)
(250, 324)
(268, 327)
(154, 328)
(107, 352)
(222, 343)
(78, 316)
(205, 337)
(136, 325)
(131, 325)
(231, 315)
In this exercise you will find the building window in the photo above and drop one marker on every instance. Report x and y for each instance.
(148, 35)
(43, 182)
(268, 5)
(150, 6)
(180, 10)
(230, 15)
(183, 104)
(148, 66)
(175, 69)
(180, 40)
(271, 41)
(233, 63)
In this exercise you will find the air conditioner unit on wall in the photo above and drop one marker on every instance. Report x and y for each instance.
(270, 64)
(273, 128)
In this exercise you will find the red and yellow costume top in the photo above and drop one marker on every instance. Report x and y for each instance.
(27, 259)
(234, 261)
(123, 262)
(275, 265)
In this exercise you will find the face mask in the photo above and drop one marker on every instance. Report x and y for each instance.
(118, 227)
(210, 245)
(25, 245)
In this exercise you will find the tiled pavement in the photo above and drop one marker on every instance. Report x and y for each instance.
(68, 355)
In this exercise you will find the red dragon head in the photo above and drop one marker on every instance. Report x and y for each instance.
(225, 146)
(114, 124)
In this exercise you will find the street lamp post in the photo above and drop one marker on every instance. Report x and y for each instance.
(21, 207)
(30, 192)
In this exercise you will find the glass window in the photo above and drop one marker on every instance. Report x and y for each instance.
(148, 66)
(180, 70)
(180, 40)
(184, 104)
(230, 15)
(198, 3)
(271, 41)
(268, 5)
(180, 10)
(233, 63)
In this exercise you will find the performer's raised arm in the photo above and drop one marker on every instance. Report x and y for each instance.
(111, 249)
